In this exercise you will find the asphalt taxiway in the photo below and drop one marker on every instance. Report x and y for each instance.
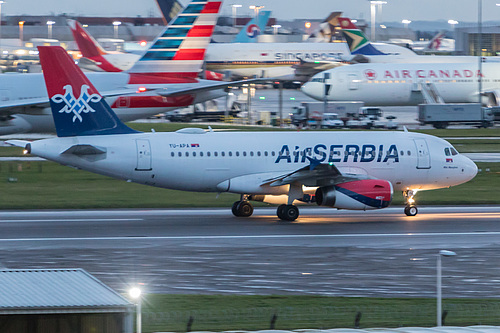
(375, 253)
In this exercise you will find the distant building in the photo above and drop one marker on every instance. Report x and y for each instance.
(60, 301)
(467, 40)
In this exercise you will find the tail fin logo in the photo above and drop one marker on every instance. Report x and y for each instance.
(79, 105)
(253, 30)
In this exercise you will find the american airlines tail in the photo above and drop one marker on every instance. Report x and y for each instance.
(77, 107)
(253, 28)
(178, 53)
(90, 48)
(356, 39)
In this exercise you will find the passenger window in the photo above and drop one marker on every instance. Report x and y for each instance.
(208, 153)
(265, 153)
(258, 153)
(201, 154)
(187, 154)
(251, 153)
(402, 153)
(409, 153)
(447, 151)
(222, 154)
(172, 154)
(180, 154)
(216, 154)
(244, 153)
(237, 153)
(273, 153)
(230, 153)
(194, 154)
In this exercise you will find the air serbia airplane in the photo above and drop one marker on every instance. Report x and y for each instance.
(167, 72)
(344, 170)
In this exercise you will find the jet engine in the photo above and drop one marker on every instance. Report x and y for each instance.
(357, 195)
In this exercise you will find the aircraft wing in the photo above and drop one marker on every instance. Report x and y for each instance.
(207, 86)
(315, 174)
(24, 106)
(306, 69)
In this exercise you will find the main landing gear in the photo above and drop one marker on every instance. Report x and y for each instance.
(410, 208)
(287, 212)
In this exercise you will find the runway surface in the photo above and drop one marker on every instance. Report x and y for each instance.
(376, 253)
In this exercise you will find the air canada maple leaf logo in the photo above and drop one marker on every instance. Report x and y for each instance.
(74, 105)
(370, 74)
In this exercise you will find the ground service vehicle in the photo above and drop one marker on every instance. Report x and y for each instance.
(441, 115)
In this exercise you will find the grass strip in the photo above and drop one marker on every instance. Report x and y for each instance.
(167, 313)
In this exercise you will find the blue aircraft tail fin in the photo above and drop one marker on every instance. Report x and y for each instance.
(253, 28)
(77, 107)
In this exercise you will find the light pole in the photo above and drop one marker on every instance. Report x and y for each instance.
(1, 3)
(452, 24)
(135, 294)
(374, 3)
(21, 31)
(49, 28)
(116, 24)
(406, 22)
(442, 253)
(234, 7)
(256, 9)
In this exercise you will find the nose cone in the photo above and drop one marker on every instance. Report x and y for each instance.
(313, 89)
(469, 169)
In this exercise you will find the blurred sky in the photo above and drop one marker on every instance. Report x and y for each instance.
(394, 10)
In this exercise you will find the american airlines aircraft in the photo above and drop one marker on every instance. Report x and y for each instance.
(344, 170)
(167, 69)
(95, 58)
(404, 84)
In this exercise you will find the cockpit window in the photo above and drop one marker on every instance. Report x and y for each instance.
(317, 79)
(453, 151)
(447, 151)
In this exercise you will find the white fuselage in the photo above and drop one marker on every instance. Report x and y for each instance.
(241, 162)
(401, 84)
(275, 59)
(25, 88)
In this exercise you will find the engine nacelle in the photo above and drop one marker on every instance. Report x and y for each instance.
(357, 195)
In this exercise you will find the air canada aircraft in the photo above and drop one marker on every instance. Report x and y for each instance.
(406, 84)
(344, 170)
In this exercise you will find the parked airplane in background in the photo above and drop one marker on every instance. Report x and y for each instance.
(95, 58)
(344, 170)
(169, 68)
(407, 84)
(362, 51)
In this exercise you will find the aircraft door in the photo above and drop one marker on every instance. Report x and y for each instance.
(423, 156)
(353, 80)
(123, 102)
(143, 155)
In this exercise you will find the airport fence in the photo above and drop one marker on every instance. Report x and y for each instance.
(287, 318)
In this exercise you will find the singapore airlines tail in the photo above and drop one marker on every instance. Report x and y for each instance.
(179, 52)
(253, 29)
(77, 106)
(356, 39)
(90, 48)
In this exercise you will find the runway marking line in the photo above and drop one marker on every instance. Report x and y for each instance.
(69, 220)
(121, 238)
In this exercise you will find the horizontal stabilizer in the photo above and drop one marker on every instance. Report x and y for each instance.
(17, 143)
(84, 150)
(208, 86)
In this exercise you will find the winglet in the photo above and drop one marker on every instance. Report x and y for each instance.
(77, 106)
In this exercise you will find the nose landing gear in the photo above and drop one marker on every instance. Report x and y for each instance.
(410, 208)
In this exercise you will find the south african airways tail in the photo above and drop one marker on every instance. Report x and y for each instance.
(356, 39)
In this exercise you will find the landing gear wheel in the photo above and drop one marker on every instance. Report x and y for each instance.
(411, 210)
(242, 209)
(234, 209)
(279, 211)
(288, 212)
